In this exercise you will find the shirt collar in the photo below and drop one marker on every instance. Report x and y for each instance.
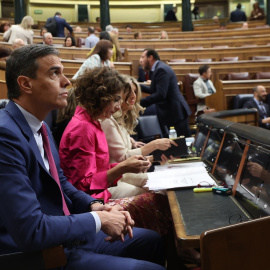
(34, 123)
(154, 66)
(257, 102)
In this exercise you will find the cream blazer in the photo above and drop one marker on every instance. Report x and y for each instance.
(120, 148)
(201, 91)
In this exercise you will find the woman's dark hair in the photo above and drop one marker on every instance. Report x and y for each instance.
(102, 48)
(95, 89)
(2, 26)
(73, 42)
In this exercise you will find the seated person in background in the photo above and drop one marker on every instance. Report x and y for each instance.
(216, 20)
(222, 26)
(43, 30)
(48, 39)
(98, 58)
(78, 29)
(4, 53)
(118, 129)
(138, 35)
(245, 25)
(203, 87)
(129, 28)
(105, 35)
(84, 152)
(17, 43)
(257, 102)
(39, 208)
(92, 39)
(4, 26)
(163, 35)
(70, 42)
(257, 13)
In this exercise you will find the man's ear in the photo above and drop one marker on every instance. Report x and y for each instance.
(25, 84)
(150, 57)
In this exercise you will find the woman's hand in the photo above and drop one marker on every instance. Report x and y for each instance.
(164, 144)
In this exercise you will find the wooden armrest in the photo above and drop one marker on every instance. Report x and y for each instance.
(45, 259)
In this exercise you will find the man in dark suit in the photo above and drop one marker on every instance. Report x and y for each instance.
(61, 24)
(238, 15)
(172, 109)
(257, 102)
(39, 208)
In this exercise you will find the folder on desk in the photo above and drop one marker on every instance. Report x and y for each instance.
(175, 151)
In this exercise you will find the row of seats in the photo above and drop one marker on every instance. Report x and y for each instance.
(234, 58)
(241, 99)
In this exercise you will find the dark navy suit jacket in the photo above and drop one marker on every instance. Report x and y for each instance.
(238, 16)
(252, 104)
(171, 106)
(61, 24)
(31, 216)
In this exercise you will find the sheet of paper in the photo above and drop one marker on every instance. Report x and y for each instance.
(184, 175)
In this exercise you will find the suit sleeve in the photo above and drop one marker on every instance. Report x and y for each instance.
(20, 209)
(68, 27)
(162, 82)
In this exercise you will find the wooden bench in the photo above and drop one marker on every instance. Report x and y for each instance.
(244, 53)
(226, 90)
(195, 42)
(72, 66)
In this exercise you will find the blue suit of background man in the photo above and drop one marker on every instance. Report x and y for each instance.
(171, 107)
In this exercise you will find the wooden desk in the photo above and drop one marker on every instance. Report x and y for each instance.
(195, 213)
(183, 240)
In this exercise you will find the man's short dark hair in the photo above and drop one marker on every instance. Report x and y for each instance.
(91, 29)
(23, 61)
(57, 14)
(153, 53)
(203, 69)
(105, 35)
(130, 26)
(239, 6)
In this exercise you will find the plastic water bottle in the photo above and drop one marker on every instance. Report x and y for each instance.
(172, 133)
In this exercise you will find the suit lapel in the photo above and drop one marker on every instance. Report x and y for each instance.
(18, 117)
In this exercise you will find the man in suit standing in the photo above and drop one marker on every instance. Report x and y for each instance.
(172, 109)
(257, 102)
(238, 15)
(39, 208)
(203, 87)
(61, 24)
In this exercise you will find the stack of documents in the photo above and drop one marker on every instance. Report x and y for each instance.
(179, 176)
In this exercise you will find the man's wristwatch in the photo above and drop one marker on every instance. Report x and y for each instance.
(95, 201)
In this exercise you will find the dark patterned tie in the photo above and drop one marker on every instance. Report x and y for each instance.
(53, 170)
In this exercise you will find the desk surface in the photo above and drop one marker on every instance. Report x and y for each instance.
(195, 213)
